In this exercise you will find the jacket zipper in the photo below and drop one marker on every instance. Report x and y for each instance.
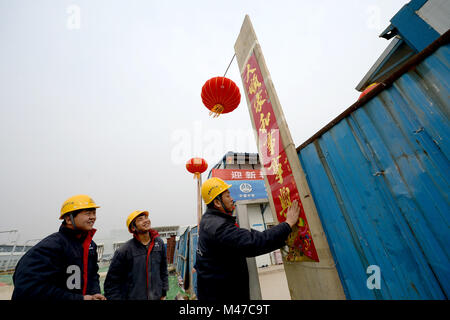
(148, 266)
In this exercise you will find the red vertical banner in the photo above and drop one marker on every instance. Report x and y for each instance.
(275, 162)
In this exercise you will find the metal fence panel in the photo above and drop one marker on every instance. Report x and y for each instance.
(380, 181)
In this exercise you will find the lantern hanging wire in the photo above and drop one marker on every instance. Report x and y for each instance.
(217, 110)
(229, 65)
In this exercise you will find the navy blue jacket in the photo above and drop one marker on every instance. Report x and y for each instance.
(221, 264)
(128, 272)
(54, 268)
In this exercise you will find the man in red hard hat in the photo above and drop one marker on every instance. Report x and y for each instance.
(138, 270)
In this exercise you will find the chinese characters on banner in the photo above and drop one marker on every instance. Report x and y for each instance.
(275, 162)
(237, 174)
(245, 184)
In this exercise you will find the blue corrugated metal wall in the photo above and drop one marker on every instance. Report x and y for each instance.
(183, 254)
(193, 255)
(380, 181)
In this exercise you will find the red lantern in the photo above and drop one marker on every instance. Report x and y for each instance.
(220, 95)
(196, 166)
(368, 89)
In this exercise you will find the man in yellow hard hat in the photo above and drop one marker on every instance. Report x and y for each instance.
(223, 247)
(138, 270)
(63, 266)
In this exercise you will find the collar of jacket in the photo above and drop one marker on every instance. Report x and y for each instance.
(153, 235)
(220, 214)
(76, 234)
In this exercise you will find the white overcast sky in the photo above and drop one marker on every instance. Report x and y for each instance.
(103, 97)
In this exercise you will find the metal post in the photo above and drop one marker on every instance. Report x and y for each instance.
(199, 201)
(263, 207)
(23, 248)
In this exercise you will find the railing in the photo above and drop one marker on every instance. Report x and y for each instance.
(6, 264)
(14, 256)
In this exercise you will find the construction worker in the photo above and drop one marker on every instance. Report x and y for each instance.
(223, 246)
(63, 266)
(138, 270)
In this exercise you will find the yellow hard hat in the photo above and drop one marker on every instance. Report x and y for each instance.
(77, 202)
(212, 187)
(133, 215)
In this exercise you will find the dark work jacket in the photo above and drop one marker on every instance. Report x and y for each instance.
(54, 269)
(127, 275)
(221, 263)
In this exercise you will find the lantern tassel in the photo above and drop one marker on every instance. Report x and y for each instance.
(197, 175)
(216, 110)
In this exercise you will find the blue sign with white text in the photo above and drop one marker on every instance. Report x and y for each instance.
(247, 189)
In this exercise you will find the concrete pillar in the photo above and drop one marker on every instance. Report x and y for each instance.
(306, 280)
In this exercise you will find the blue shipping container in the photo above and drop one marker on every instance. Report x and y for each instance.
(380, 181)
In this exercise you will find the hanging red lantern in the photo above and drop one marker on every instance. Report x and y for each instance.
(368, 89)
(196, 166)
(220, 95)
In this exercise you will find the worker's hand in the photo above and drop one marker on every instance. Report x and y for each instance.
(292, 213)
(96, 296)
(162, 298)
(99, 296)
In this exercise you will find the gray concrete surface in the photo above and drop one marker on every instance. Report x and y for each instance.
(6, 292)
(273, 283)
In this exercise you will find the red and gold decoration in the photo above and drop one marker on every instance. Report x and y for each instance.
(196, 166)
(276, 166)
(368, 89)
(220, 95)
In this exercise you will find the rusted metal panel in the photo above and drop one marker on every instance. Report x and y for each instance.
(380, 177)
(171, 242)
